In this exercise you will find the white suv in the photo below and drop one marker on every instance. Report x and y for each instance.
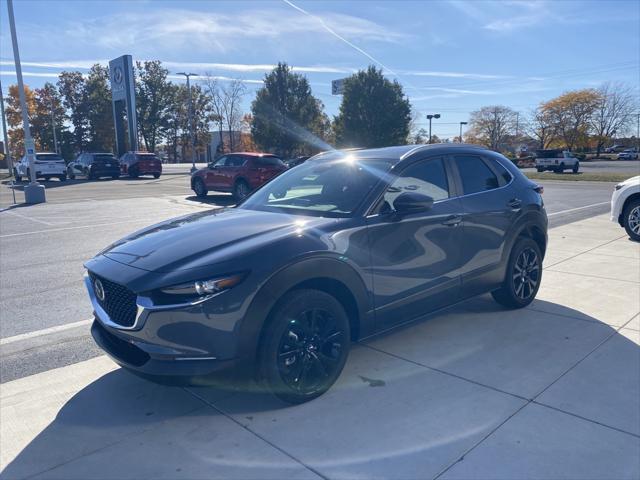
(556, 160)
(625, 206)
(47, 165)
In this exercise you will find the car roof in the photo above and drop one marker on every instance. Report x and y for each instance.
(396, 154)
(252, 154)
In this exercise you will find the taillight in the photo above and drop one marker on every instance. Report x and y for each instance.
(538, 189)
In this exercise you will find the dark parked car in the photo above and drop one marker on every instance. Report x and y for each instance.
(334, 250)
(93, 166)
(135, 164)
(238, 173)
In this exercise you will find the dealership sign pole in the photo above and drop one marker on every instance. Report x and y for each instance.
(34, 192)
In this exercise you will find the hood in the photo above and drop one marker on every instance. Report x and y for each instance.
(630, 181)
(205, 238)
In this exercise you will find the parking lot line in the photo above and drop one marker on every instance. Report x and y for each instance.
(50, 230)
(577, 208)
(44, 331)
(8, 212)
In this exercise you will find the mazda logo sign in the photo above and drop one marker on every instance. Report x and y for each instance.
(117, 75)
(99, 290)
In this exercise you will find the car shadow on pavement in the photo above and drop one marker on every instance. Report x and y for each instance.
(418, 397)
(223, 200)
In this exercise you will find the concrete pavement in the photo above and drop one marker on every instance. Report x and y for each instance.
(476, 391)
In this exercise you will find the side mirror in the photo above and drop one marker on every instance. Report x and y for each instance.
(412, 202)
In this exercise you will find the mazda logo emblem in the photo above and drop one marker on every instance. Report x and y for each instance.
(117, 75)
(99, 290)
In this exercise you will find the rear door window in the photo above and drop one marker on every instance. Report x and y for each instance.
(505, 175)
(475, 174)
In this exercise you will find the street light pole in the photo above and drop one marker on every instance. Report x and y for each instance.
(53, 126)
(461, 124)
(7, 153)
(34, 192)
(429, 117)
(191, 130)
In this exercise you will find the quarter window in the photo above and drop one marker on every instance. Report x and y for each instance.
(476, 175)
(426, 177)
(503, 172)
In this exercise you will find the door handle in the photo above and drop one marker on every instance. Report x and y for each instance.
(515, 203)
(452, 220)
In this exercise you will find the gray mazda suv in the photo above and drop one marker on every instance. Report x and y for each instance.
(347, 244)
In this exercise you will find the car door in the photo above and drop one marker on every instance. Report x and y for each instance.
(214, 178)
(490, 206)
(415, 258)
(234, 167)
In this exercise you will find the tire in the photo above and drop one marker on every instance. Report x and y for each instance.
(523, 275)
(305, 347)
(63, 177)
(47, 178)
(241, 190)
(17, 176)
(115, 177)
(200, 188)
(576, 167)
(70, 174)
(561, 168)
(539, 169)
(631, 219)
(133, 172)
(156, 175)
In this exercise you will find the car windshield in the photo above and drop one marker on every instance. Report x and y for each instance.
(322, 188)
(49, 157)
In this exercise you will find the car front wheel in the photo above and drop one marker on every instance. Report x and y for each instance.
(200, 188)
(241, 190)
(631, 219)
(523, 275)
(576, 167)
(305, 347)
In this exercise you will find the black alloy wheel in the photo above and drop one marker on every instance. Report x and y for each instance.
(523, 275)
(306, 346)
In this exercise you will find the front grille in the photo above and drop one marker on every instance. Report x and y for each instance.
(119, 302)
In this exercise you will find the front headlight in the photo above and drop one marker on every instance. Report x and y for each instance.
(200, 288)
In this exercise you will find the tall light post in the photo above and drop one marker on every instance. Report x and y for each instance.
(191, 130)
(430, 117)
(461, 124)
(53, 126)
(34, 192)
(7, 153)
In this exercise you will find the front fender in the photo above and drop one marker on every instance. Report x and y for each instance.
(289, 277)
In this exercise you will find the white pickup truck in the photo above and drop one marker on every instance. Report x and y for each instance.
(556, 161)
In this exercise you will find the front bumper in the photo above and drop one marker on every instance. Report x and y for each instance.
(184, 345)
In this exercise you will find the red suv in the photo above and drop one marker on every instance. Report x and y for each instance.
(135, 164)
(238, 173)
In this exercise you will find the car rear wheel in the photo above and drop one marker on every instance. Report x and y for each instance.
(306, 345)
(17, 176)
(540, 169)
(241, 190)
(200, 188)
(523, 275)
(47, 178)
(63, 177)
(631, 219)
(156, 175)
(133, 172)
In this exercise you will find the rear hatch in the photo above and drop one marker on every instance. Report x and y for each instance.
(148, 163)
(105, 161)
(49, 162)
(269, 166)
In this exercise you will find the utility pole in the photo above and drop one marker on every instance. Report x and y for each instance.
(34, 192)
(461, 124)
(7, 153)
(53, 126)
(429, 117)
(191, 130)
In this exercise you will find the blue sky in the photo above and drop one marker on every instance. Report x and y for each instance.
(451, 56)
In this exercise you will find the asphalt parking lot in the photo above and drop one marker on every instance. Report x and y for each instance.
(476, 391)
(43, 248)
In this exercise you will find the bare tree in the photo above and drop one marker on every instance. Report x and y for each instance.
(232, 95)
(541, 127)
(492, 125)
(213, 89)
(613, 112)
